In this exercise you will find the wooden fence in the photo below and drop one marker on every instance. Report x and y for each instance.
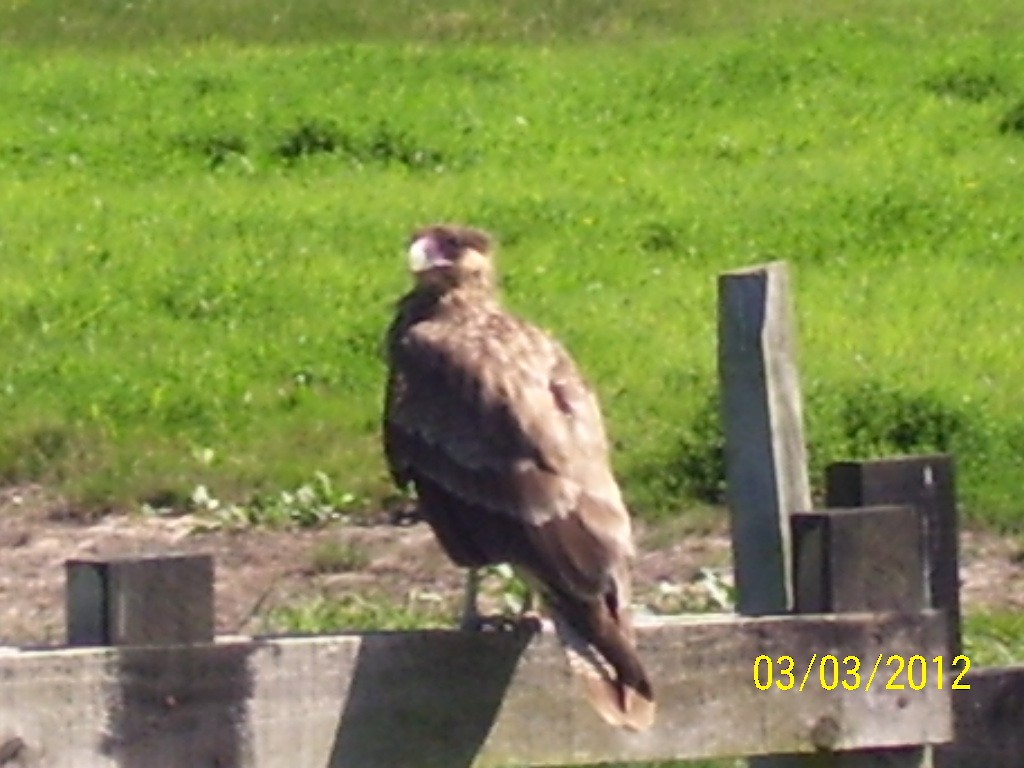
(870, 581)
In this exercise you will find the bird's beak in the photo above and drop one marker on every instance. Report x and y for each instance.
(424, 254)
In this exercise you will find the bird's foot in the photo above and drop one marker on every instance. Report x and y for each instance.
(529, 622)
(495, 623)
(534, 622)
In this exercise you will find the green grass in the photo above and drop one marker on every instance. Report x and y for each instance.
(357, 612)
(994, 639)
(129, 25)
(204, 206)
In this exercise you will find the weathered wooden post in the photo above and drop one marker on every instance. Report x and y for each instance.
(186, 710)
(926, 482)
(762, 417)
(765, 452)
(867, 559)
(155, 603)
(870, 559)
(158, 600)
(847, 561)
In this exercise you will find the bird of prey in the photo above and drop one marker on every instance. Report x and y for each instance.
(491, 422)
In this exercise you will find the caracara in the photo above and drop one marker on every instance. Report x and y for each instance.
(490, 421)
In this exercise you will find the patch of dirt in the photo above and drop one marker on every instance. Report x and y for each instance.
(259, 570)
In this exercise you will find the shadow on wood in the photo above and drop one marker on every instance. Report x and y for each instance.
(180, 708)
(453, 685)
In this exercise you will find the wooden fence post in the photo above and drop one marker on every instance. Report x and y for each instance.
(928, 483)
(870, 559)
(762, 417)
(160, 600)
(168, 601)
(765, 454)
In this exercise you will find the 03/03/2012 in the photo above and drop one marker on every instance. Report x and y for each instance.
(782, 673)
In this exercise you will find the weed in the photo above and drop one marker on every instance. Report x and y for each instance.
(383, 145)
(358, 612)
(311, 504)
(219, 149)
(698, 459)
(338, 557)
(657, 236)
(310, 138)
(965, 84)
(1013, 120)
(882, 421)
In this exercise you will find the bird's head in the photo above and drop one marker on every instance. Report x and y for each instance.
(448, 256)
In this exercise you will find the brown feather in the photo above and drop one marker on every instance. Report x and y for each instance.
(491, 421)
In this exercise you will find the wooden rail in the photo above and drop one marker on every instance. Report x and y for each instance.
(451, 699)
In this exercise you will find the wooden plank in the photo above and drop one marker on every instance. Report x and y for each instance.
(152, 600)
(989, 721)
(762, 415)
(928, 483)
(451, 699)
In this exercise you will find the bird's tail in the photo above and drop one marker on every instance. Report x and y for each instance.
(598, 641)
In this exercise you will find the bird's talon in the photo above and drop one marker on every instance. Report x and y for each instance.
(535, 623)
(530, 622)
(480, 623)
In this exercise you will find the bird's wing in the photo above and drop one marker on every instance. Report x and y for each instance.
(495, 412)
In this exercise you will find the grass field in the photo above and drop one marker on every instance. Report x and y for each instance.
(203, 210)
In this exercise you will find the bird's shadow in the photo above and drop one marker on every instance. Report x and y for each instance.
(424, 699)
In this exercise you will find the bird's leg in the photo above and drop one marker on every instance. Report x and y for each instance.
(529, 599)
(529, 614)
(471, 619)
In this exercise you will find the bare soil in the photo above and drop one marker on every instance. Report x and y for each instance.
(260, 570)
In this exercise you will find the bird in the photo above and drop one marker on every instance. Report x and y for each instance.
(489, 420)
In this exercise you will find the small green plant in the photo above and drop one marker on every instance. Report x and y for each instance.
(500, 585)
(1013, 120)
(880, 421)
(711, 591)
(698, 460)
(216, 149)
(311, 504)
(359, 612)
(311, 137)
(338, 557)
(992, 639)
(966, 84)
